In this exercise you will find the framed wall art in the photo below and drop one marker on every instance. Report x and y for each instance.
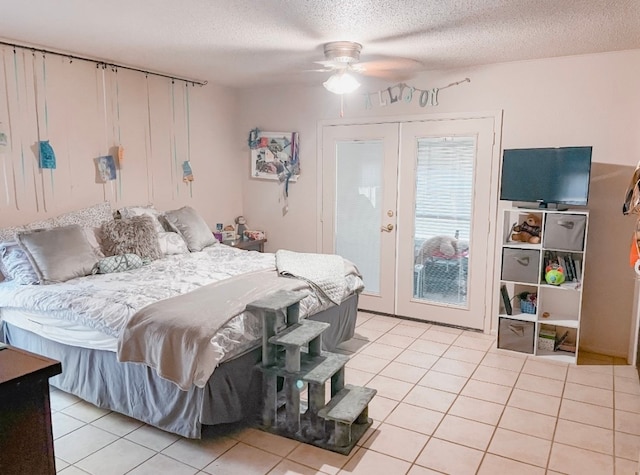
(274, 155)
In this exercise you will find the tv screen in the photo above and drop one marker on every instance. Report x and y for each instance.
(546, 175)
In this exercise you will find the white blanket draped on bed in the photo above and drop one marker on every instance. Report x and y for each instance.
(324, 272)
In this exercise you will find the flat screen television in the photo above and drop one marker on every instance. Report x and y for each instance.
(546, 175)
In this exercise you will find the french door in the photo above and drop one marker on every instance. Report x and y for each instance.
(410, 204)
(360, 176)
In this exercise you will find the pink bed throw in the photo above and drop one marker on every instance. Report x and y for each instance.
(173, 335)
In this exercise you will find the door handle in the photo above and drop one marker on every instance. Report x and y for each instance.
(388, 228)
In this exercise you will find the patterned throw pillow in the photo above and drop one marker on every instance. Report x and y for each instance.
(120, 263)
(135, 235)
(9, 234)
(91, 217)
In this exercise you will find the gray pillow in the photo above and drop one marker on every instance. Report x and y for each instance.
(58, 254)
(192, 227)
(135, 235)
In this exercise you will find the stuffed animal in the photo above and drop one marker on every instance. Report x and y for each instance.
(446, 247)
(554, 274)
(528, 230)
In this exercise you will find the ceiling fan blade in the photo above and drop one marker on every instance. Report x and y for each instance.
(391, 64)
(389, 75)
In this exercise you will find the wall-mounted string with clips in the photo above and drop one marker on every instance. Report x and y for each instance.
(102, 63)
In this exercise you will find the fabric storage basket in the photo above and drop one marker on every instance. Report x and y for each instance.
(516, 335)
(564, 231)
(527, 306)
(521, 265)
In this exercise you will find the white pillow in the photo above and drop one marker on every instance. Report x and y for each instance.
(172, 243)
(131, 211)
(15, 264)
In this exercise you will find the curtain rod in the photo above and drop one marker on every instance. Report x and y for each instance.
(102, 63)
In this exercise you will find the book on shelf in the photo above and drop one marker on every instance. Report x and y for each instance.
(571, 266)
(506, 300)
(578, 265)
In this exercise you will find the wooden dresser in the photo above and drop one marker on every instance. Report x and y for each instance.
(26, 440)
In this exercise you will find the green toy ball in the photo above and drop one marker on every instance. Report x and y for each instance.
(554, 276)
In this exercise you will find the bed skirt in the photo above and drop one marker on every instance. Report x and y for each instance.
(233, 392)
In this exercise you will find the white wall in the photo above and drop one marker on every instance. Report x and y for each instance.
(581, 100)
(79, 132)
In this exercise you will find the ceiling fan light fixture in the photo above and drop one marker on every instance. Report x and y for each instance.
(341, 83)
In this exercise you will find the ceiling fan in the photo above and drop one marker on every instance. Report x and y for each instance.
(342, 58)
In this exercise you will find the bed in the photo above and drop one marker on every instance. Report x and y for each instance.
(92, 325)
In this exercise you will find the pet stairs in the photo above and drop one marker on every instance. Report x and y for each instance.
(294, 358)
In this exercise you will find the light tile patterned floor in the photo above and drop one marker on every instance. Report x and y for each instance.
(448, 402)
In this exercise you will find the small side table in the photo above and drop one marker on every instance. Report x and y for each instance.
(26, 438)
(249, 245)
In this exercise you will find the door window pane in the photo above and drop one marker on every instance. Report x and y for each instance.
(442, 220)
(358, 203)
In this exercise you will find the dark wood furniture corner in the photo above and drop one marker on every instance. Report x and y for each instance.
(26, 439)
(255, 245)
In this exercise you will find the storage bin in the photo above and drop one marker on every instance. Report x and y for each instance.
(527, 306)
(521, 265)
(564, 232)
(546, 344)
(516, 335)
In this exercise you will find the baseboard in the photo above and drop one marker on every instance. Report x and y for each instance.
(603, 351)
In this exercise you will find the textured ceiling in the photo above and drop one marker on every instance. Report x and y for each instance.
(251, 42)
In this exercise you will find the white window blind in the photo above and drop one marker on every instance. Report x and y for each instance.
(444, 187)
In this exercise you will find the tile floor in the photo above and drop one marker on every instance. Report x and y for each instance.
(447, 402)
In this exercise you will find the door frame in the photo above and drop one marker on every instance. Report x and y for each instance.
(496, 115)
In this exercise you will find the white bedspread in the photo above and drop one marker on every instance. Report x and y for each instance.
(106, 302)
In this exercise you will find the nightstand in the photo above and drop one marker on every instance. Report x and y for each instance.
(26, 439)
(255, 245)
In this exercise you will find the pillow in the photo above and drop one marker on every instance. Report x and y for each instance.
(131, 211)
(9, 234)
(135, 235)
(15, 264)
(91, 217)
(58, 254)
(189, 224)
(93, 236)
(43, 224)
(120, 263)
(172, 243)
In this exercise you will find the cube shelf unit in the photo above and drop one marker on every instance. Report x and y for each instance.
(556, 315)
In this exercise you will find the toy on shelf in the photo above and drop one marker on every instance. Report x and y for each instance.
(528, 230)
(554, 274)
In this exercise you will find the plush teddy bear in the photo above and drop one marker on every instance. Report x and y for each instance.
(528, 230)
